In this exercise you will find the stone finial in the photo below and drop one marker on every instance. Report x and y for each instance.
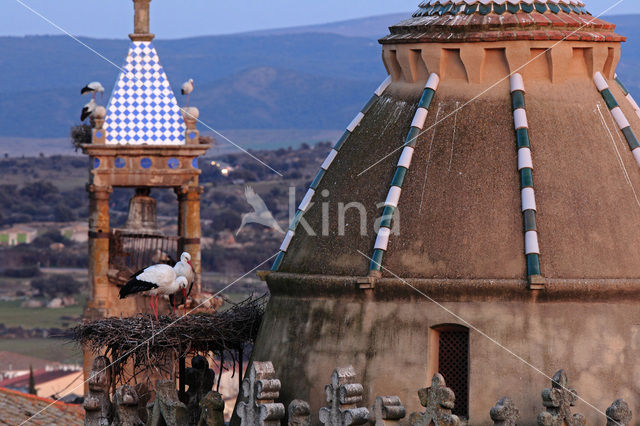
(99, 113)
(619, 414)
(143, 399)
(504, 413)
(558, 400)
(126, 404)
(299, 413)
(438, 400)
(343, 394)
(167, 408)
(387, 410)
(211, 410)
(261, 388)
(97, 118)
(97, 404)
(200, 379)
(190, 115)
(141, 20)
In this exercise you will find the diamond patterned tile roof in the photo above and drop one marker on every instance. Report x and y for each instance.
(143, 109)
(17, 407)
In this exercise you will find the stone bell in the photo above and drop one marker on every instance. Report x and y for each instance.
(142, 216)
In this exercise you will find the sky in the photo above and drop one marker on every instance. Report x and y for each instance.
(186, 18)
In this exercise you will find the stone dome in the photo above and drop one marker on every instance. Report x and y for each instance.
(460, 209)
(501, 165)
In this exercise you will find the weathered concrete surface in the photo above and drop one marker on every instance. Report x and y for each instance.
(384, 334)
(460, 210)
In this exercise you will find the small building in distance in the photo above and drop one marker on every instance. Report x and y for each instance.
(77, 232)
(13, 364)
(17, 234)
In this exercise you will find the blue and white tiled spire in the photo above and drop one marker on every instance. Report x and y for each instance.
(143, 109)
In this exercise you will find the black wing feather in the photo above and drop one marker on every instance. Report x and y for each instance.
(85, 114)
(136, 286)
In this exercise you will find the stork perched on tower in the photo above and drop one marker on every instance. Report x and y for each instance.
(187, 89)
(93, 88)
(88, 109)
(154, 281)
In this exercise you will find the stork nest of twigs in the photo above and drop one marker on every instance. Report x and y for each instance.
(142, 343)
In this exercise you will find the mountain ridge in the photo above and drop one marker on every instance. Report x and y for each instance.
(305, 80)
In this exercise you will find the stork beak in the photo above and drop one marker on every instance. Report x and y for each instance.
(184, 293)
(190, 264)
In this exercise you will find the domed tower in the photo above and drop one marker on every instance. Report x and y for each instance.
(479, 218)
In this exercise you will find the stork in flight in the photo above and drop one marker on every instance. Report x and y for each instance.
(93, 88)
(154, 281)
(260, 213)
(187, 89)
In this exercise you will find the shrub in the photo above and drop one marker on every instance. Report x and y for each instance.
(56, 285)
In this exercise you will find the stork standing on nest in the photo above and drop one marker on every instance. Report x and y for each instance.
(155, 281)
(184, 268)
(187, 89)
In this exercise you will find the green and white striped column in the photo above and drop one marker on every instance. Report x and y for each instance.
(306, 201)
(391, 203)
(627, 95)
(618, 115)
(525, 168)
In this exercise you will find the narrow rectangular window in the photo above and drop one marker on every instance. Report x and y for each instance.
(453, 364)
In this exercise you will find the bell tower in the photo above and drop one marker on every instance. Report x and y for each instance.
(144, 140)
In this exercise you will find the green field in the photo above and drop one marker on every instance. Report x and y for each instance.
(12, 315)
(51, 349)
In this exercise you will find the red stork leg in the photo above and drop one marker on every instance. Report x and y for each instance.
(151, 303)
(156, 308)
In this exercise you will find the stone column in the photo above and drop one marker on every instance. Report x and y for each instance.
(99, 247)
(189, 227)
(141, 21)
(98, 303)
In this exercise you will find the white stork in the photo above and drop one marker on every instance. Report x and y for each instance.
(187, 89)
(154, 281)
(184, 268)
(88, 109)
(93, 88)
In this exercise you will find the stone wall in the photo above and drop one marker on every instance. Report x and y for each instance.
(385, 335)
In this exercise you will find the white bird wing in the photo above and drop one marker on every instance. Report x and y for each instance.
(161, 275)
(91, 105)
(183, 269)
(255, 201)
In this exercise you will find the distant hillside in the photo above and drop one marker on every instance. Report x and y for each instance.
(278, 87)
(371, 27)
(327, 75)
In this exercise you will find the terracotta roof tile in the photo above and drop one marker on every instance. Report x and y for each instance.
(16, 407)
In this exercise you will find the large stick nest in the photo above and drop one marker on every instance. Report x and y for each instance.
(150, 344)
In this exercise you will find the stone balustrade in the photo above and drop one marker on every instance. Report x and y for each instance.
(344, 396)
